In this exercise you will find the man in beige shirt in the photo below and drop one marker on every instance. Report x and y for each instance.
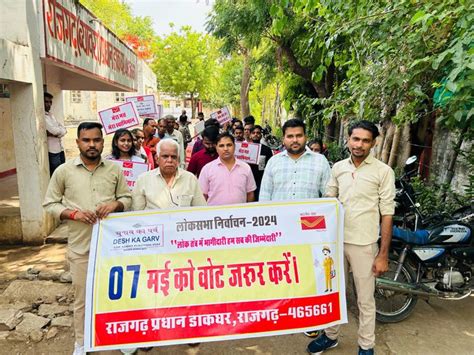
(167, 186)
(366, 188)
(81, 192)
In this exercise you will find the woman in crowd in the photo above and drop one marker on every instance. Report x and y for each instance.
(123, 147)
(316, 146)
(141, 150)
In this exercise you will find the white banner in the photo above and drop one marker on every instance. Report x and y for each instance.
(145, 104)
(120, 116)
(223, 115)
(198, 128)
(247, 152)
(197, 274)
(131, 170)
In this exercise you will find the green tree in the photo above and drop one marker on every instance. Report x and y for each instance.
(225, 89)
(378, 60)
(185, 64)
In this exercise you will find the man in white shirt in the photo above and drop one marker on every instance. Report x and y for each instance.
(167, 186)
(55, 130)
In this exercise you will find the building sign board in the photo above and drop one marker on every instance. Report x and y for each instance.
(75, 38)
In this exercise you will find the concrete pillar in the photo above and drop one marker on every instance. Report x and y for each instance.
(31, 159)
(27, 112)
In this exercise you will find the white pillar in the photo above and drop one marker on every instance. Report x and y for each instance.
(31, 159)
(21, 20)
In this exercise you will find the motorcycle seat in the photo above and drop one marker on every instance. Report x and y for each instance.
(419, 237)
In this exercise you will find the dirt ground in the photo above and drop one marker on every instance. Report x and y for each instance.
(435, 328)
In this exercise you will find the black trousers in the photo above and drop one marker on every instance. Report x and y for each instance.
(55, 160)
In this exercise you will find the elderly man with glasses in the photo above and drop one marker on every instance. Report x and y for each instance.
(167, 186)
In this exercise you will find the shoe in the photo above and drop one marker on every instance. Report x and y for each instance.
(313, 333)
(366, 352)
(78, 349)
(320, 344)
(129, 351)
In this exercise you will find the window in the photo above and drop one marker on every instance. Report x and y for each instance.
(119, 97)
(76, 97)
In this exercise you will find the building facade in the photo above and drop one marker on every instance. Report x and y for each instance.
(46, 45)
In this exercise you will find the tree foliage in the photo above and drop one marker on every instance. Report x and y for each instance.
(364, 57)
(185, 63)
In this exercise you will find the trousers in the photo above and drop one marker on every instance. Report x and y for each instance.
(361, 258)
(78, 266)
(55, 160)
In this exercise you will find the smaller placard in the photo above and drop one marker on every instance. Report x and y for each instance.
(120, 116)
(198, 128)
(223, 115)
(247, 152)
(145, 104)
(131, 170)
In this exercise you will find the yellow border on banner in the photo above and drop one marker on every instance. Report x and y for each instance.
(208, 208)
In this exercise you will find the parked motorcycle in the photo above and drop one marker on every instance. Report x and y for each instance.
(430, 257)
(270, 140)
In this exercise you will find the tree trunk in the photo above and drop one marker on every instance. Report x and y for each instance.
(394, 150)
(245, 86)
(404, 150)
(387, 144)
(381, 139)
(193, 107)
(329, 132)
(452, 163)
(340, 141)
(304, 72)
(276, 118)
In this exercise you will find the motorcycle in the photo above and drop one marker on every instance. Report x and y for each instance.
(430, 257)
(270, 140)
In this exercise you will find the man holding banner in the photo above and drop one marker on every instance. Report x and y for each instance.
(82, 191)
(366, 188)
(168, 186)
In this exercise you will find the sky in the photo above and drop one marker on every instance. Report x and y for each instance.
(181, 12)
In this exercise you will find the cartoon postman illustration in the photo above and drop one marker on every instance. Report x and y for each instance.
(328, 266)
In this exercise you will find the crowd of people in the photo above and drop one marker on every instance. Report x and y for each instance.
(89, 187)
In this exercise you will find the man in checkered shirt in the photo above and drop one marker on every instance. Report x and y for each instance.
(296, 173)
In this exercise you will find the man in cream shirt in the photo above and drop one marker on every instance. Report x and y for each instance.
(366, 188)
(167, 186)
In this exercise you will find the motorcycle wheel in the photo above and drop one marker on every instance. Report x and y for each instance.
(391, 306)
